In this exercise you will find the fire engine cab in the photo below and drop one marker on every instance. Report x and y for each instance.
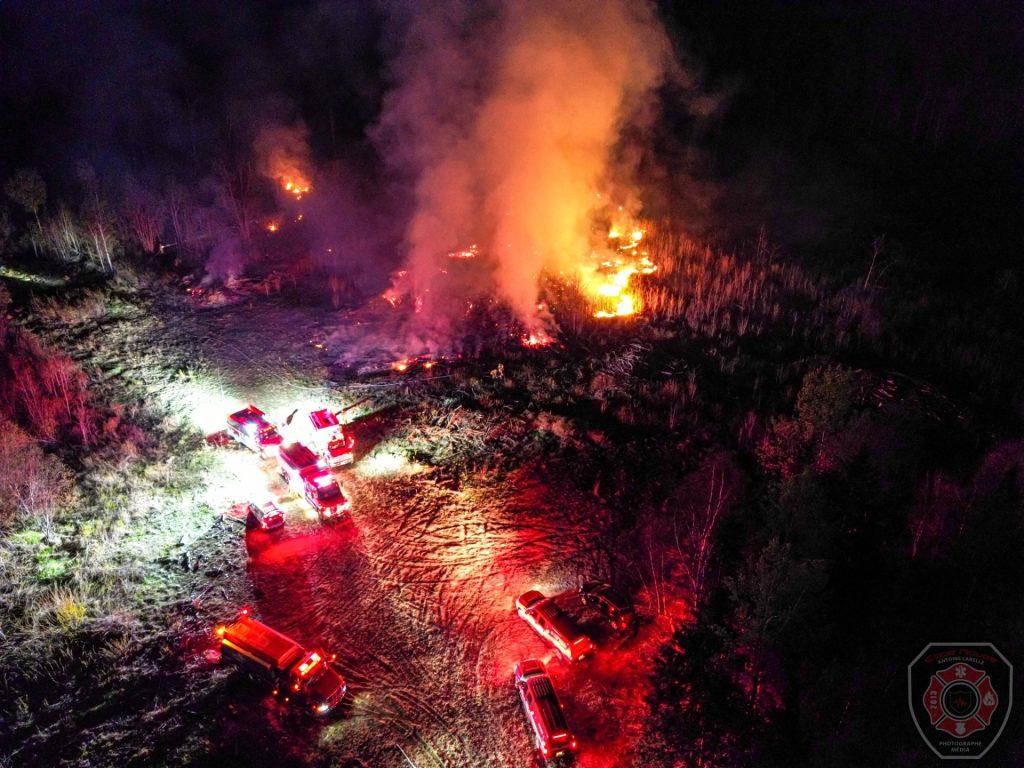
(330, 440)
(250, 428)
(551, 733)
(304, 473)
(324, 494)
(278, 660)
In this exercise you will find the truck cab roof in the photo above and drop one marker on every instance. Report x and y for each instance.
(297, 455)
(250, 415)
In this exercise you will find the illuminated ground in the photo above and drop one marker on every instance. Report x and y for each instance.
(415, 593)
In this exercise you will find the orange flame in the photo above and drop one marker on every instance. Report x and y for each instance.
(536, 339)
(296, 187)
(609, 283)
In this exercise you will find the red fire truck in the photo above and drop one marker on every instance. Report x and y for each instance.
(304, 473)
(280, 661)
(554, 625)
(330, 440)
(296, 462)
(551, 733)
(324, 494)
(250, 427)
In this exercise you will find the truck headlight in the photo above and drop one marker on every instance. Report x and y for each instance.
(322, 708)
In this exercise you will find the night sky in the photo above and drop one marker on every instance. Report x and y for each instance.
(837, 121)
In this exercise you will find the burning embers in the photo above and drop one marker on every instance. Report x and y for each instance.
(466, 253)
(296, 187)
(424, 363)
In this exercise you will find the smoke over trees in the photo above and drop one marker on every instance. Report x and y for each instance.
(508, 120)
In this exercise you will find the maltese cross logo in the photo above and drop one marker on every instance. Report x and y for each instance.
(960, 697)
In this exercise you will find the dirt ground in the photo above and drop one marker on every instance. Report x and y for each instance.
(415, 591)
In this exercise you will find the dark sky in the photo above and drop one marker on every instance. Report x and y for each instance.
(162, 87)
(842, 120)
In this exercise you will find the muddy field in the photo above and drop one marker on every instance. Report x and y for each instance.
(415, 592)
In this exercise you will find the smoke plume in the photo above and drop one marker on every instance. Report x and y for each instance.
(284, 158)
(509, 119)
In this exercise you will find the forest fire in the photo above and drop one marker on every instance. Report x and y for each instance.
(296, 187)
(609, 283)
(536, 339)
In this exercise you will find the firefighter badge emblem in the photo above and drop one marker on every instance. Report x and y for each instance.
(960, 697)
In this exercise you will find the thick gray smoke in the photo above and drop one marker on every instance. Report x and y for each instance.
(508, 117)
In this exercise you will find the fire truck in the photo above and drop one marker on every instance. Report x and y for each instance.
(554, 625)
(304, 473)
(295, 673)
(330, 440)
(551, 733)
(250, 427)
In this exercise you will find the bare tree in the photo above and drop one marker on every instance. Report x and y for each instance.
(27, 189)
(236, 184)
(695, 537)
(144, 215)
(99, 224)
(62, 235)
(877, 249)
(34, 486)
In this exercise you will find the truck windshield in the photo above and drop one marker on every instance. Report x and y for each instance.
(328, 492)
